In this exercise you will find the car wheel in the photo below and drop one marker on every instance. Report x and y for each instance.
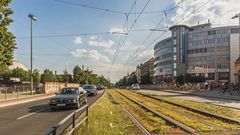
(52, 109)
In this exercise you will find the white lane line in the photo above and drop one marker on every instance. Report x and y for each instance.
(19, 118)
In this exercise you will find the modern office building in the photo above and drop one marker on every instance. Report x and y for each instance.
(198, 50)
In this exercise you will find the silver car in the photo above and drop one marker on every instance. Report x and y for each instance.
(91, 89)
(135, 87)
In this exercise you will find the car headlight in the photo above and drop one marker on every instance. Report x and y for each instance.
(53, 100)
(72, 100)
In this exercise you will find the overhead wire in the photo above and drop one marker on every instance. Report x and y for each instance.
(135, 21)
(166, 12)
(104, 9)
(152, 43)
(119, 41)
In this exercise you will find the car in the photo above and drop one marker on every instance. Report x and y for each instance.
(69, 97)
(100, 87)
(91, 89)
(135, 87)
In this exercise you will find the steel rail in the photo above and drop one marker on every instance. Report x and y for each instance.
(168, 119)
(224, 118)
(136, 121)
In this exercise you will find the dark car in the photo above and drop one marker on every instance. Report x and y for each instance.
(91, 89)
(100, 87)
(69, 97)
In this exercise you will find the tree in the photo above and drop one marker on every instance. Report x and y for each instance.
(36, 77)
(7, 39)
(66, 77)
(188, 78)
(48, 76)
(145, 79)
(77, 74)
(20, 73)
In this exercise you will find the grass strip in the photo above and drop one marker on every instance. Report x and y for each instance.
(153, 123)
(199, 126)
(108, 118)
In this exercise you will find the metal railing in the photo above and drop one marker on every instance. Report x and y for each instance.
(69, 124)
(15, 92)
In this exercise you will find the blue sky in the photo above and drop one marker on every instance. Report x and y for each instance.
(97, 51)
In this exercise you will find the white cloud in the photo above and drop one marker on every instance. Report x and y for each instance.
(145, 55)
(110, 51)
(98, 42)
(79, 53)
(94, 55)
(218, 11)
(78, 40)
(117, 72)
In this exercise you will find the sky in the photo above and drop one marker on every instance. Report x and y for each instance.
(92, 33)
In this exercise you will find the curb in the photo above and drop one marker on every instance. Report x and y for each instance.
(23, 100)
(202, 95)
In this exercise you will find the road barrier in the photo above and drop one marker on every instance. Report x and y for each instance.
(69, 124)
(16, 92)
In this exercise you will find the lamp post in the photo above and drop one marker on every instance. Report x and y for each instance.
(32, 18)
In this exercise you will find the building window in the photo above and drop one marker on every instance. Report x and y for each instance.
(205, 49)
(174, 49)
(175, 73)
(174, 57)
(175, 65)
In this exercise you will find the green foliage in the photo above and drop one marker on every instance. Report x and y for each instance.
(187, 78)
(18, 72)
(66, 77)
(145, 79)
(36, 76)
(48, 76)
(128, 80)
(7, 39)
(88, 77)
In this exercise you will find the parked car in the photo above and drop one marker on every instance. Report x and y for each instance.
(100, 87)
(69, 97)
(135, 87)
(91, 89)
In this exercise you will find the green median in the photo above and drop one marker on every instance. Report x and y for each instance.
(108, 118)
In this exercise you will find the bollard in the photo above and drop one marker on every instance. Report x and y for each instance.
(54, 132)
(5, 94)
(87, 117)
(73, 123)
(17, 92)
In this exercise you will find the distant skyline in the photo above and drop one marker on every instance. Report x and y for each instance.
(68, 33)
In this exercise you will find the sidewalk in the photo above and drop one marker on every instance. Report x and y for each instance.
(207, 93)
(23, 100)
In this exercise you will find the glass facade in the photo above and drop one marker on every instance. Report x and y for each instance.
(191, 49)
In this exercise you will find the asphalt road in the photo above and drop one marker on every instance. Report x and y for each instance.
(33, 118)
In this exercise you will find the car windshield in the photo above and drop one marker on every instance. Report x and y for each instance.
(69, 91)
(88, 87)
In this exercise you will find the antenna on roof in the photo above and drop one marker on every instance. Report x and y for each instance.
(198, 22)
(208, 20)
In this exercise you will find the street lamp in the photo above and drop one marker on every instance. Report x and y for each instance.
(32, 18)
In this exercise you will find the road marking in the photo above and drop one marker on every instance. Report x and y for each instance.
(19, 118)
